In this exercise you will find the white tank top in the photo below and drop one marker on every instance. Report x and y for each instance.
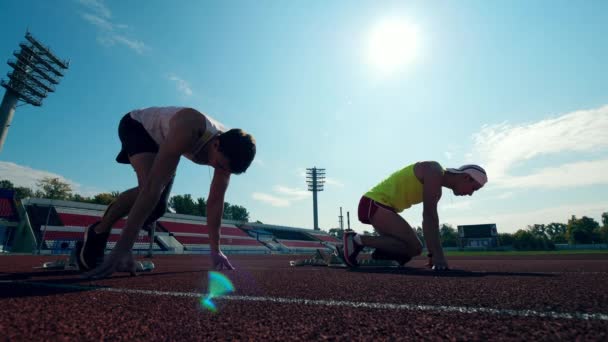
(156, 122)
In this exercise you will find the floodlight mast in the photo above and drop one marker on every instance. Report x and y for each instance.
(36, 70)
(315, 179)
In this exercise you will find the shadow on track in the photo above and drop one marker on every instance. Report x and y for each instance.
(17, 285)
(453, 273)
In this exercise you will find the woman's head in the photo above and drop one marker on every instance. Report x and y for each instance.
(468, 179)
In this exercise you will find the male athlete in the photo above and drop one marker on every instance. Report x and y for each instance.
(415, 183)
(153, 141)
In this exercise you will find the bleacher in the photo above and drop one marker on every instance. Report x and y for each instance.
(55, 226)
(9, 217)
(193, 233)
(60, 224)
(322, 236)
(290, 239)
(297, 246)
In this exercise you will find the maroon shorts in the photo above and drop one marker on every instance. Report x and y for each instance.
(368, 207)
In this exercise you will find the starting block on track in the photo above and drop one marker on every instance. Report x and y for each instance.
(324, 259)
(70, 264)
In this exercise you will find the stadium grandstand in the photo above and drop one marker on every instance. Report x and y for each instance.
(290, 239)
(45, 226)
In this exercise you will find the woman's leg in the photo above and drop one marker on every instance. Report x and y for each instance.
(396, 236)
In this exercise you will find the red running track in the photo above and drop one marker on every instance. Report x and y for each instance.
(492, 298)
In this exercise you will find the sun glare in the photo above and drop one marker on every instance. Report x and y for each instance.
(393, 44)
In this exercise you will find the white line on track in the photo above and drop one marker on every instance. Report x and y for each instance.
(366, 305)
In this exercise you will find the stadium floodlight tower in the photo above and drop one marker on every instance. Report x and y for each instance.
(36, 72)
(315, 179)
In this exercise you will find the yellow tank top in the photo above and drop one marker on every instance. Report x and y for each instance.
(400, 190)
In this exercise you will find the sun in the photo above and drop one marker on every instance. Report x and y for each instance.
(392, 45)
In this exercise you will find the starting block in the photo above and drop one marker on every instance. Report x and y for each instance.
(325, 259)
(70, 264)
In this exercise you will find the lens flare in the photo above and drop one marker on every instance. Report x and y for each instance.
(219, 285)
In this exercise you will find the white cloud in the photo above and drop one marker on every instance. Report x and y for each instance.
(460, 205)
(283, 196)
(25, 176)
(505, 195)
(567, 175)
(96, 6)
(334, 182)
(101, 23)
(109, 33)
(135, 45)
(182, 85)
(270, 199)
(502, 147)
(448, 155)
(292, 194)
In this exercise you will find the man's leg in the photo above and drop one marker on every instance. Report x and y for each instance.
(118, 209)
(91, 251)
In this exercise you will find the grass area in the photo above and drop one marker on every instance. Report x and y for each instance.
(559, 252)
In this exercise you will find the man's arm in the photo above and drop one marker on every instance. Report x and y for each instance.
(432, 174)
(215, 206)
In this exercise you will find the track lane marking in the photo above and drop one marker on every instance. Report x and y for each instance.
(333, 303)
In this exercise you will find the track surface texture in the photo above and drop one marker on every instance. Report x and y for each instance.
(546, 298)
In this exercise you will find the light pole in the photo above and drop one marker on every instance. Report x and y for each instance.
(35, 73)
(315, 179)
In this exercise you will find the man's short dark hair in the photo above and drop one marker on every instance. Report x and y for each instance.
(239, 147)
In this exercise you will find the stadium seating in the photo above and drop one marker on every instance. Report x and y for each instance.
(67, 222)
(193, 233)
(296, 246)
(59, 224)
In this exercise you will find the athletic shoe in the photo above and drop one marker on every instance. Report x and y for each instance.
(90, 253)
(350, 249)
(381, 255)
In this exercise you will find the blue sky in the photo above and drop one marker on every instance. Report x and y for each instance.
(515, 86)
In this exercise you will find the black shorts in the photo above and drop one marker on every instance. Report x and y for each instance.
(134, 138)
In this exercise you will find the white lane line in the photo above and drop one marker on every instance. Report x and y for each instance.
(384, 306)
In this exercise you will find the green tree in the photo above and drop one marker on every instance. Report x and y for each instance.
(239, 213)
(538, 230)
(20, 191)
(201, 207)
(23, 192)
(583, 230)
(603, 234)
(557, 232)
(448, 235)
(104, 198)
(54, 188)
(79, 198)
(505, 239)
(526, 240)
(6, 184)
(183, 204)
(227, 211)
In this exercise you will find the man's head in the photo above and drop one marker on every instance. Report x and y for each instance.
(468, 179)
(233, 151)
